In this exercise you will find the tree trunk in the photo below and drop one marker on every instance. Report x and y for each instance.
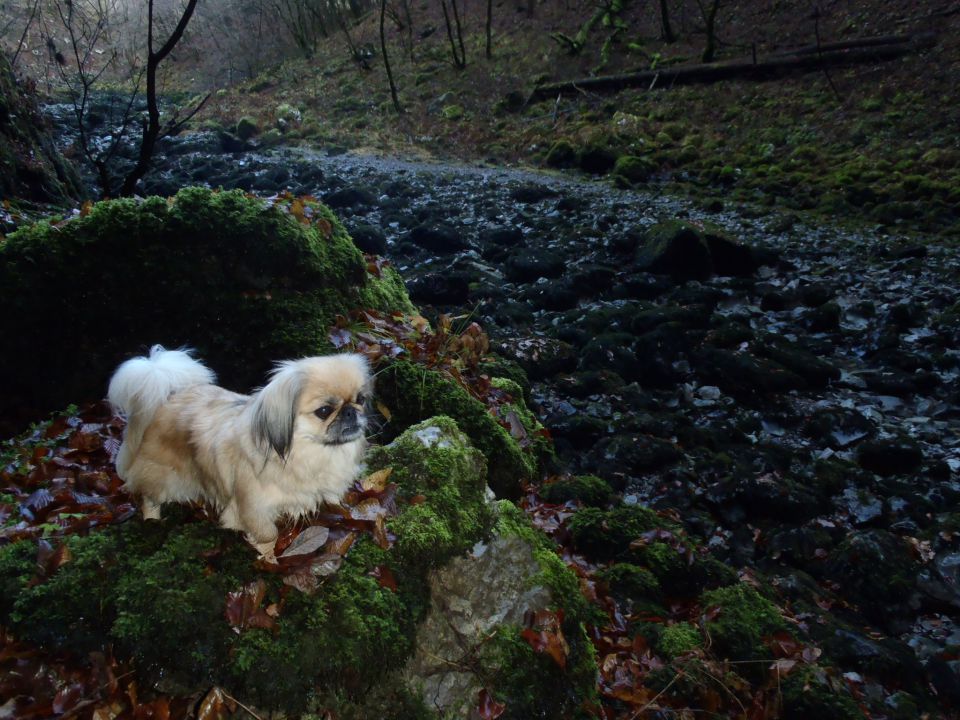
(774, 66)
(666, 32)
(489, 28)
(459, 61)
(386, 59)
(151, 129)
(710, 25)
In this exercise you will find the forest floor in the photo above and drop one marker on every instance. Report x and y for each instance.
(874, 142)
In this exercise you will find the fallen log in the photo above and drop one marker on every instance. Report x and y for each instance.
(868, 50)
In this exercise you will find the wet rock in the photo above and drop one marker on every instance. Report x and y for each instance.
(876, 571)
(439, 238)
(559, 295)
(840, 427)
(887, 659)
(894, 456)
(232, 144)
(440, 288)
(638, 285)
(633, 454)
(528, 265)
(532, 193)
(824, 318)
(816, 371)
(729, 257)
(675, 249)
(369, 238)
(351, 197)
(540, 357)
(610, 351)
(505, 236)
(741, 374)
(941, 579)
(862, 506)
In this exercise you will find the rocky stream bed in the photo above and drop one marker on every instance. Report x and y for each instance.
(786, 392)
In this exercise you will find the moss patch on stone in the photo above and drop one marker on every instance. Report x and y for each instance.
(533, 684)
(679, 639)
(413, 392)
(745, 618)
(587, 489)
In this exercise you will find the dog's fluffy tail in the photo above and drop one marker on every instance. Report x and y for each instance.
(142, 384)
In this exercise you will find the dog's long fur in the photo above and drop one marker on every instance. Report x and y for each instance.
(295, 443)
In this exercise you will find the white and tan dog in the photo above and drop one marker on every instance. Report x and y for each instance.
(290, 446)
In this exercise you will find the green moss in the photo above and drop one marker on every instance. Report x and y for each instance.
(156, 591)
(679, 639)
(561, 155)
(435, 459)
(631, 582)
(606, 534)
(413, 393)
(452, 112)
(745, 617)
(246, 128)
(587, 489)
(126, 276)
(634, 169)
(386, 292)
(816, 692)
(533, 684)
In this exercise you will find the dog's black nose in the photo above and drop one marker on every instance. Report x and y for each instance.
(348, 416)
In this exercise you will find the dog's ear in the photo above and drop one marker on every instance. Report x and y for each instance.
(275, 409)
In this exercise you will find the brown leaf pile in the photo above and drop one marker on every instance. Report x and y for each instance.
(61, 479)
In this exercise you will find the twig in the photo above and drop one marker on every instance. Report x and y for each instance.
(228, 696)
(676, 677)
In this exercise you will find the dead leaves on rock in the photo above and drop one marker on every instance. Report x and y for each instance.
(61, 480)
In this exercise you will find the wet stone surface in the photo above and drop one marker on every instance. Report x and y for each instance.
(790, 391)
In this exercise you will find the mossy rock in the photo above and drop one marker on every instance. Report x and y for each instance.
(607, 534)
(633, 168)
(817, 692)
(413, 392)
(246, 128)
(31, 167)
(743, 620)
(156, 590)
(679, 639)
(587, 489)
(237, 278)
(561, 155)
(631, 583)
(481, 612)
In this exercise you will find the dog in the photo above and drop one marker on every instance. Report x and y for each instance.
(296, 443)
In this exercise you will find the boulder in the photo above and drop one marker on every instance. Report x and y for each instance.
(353, 642)
(413, 392)
(480, 604)
(246, 282)
(693, 252)
(31, 167)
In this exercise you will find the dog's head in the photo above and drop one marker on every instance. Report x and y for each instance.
(318, 399)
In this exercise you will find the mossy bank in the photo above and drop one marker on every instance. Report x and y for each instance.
(243, 280)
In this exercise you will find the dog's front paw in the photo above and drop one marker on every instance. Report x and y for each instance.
(265, 549)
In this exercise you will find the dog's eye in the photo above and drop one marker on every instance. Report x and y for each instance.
(361, 399)
(323, 412)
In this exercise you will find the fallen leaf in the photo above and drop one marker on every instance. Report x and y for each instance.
(378, 480)
(384, 576)
(308, 541)
(487, 706)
